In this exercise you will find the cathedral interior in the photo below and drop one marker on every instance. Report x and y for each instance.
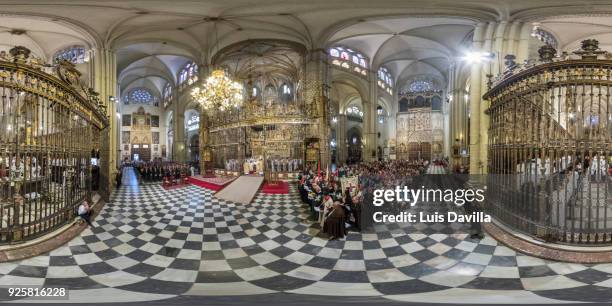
(184, 151)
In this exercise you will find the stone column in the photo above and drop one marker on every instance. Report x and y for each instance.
(494, 42)
(341, 139)
(103, 67)
(522, 50)
(475, 101)
(449, 111)
(316, 100)
(178, 125)
(179, 150)
(370, 121)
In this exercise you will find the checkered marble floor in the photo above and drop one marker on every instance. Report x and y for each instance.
(152, 244)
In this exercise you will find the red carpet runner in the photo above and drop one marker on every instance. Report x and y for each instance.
(175, 186)
(212, 183)
(279, 188)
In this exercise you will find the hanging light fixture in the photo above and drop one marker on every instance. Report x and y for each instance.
(218, 91)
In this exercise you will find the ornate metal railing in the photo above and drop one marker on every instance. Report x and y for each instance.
(51, 127)
(550, 147)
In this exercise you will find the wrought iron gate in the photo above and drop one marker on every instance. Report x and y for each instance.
(50, 131)
(550, 147)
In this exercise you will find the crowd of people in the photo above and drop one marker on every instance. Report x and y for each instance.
(338, 202)
(163, 171)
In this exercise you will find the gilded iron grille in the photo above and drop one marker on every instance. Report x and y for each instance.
(550, 148)
(50, 137)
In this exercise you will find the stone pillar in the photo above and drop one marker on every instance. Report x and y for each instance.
(475, 98)
(449, 111)
(501, 38)
(316, 100)
(514, 37)
(370, 121)
(493, 42)
(103, 67)
(522, 50)
(341, 148)
(178, 150)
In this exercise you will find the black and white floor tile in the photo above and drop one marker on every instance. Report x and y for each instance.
(152, 244)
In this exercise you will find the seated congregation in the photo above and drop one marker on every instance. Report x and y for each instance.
(336, 199)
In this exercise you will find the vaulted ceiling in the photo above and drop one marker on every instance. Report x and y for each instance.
(150, 64)
(154, 39)
(197, 25)
(408, 46)
(42, 36)
(571, 30)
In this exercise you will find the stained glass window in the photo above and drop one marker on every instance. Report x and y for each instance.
(362, 62)
(354, 111)
(349, 59)
(141, 96)
(385, 81)
(544, 36)
(286, 89)
(421, 86)
(188, 75)
(75, 55)
(168, 94)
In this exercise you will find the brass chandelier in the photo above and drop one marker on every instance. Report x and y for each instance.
(218, 92)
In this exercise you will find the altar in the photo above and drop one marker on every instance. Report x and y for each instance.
(266, 135)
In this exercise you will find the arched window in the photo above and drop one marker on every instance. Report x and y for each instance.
(544, 36)
(168, 94)
(349, 59)
(286, 93)
(188, 75)
(354, 113)
(420, 86)
(286, 89)
(385, 81)
(141, 96)
(193, 122)
(436, 103)
(420, 101)
(403, 105)
(380, 112)
(74, 54)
